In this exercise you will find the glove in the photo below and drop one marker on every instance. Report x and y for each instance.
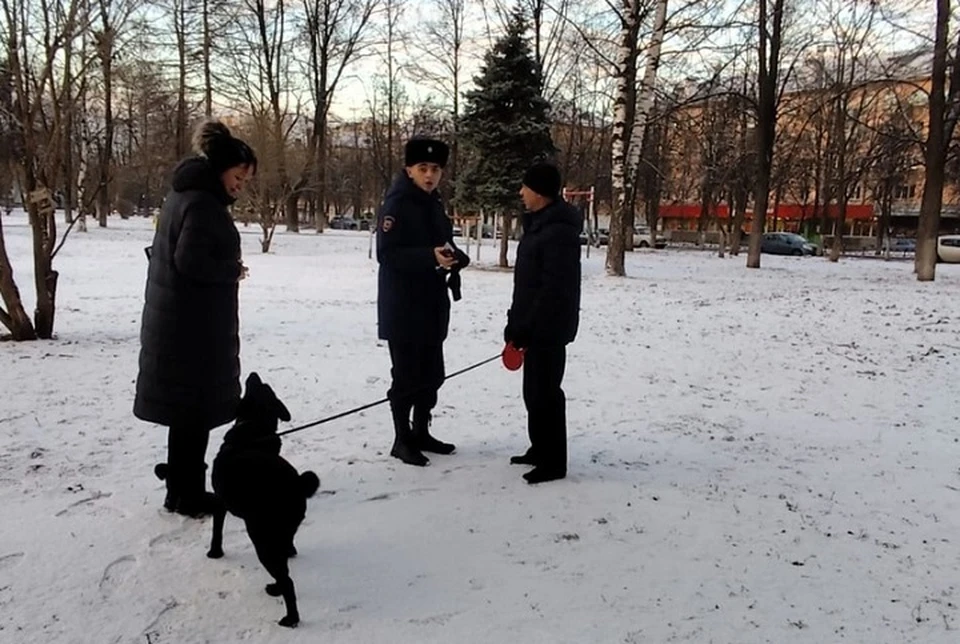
(518, 336)
(463, 260)
(453, 283)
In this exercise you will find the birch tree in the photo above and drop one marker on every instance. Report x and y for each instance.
(632, 105)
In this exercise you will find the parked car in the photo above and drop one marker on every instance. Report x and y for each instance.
(787, 244)
(641, 238)
(344, 223)
(948, 248)
(900, 245)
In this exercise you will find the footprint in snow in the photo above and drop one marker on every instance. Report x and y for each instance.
(10, 560)
(116, 572)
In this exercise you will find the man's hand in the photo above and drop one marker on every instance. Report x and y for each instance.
(518, 337)
(444, 257)
(244, 271)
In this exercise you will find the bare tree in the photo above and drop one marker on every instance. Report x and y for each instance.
(34, 38)
(335, 32)
(439, 44)
(943, 112)
(770, 44)
(262, 64)
(631, 111)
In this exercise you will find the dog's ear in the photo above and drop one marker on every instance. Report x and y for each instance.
(282, 412)
(253, 380)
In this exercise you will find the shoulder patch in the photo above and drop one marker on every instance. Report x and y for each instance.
(387, 224)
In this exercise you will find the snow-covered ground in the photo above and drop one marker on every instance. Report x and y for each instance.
(755, 456)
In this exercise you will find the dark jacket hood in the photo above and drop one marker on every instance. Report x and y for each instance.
(558, 213)
(195, 173)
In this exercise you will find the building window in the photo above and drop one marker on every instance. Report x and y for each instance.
(900, 192)
(857, 192)
(913, 190)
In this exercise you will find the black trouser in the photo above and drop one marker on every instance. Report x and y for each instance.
(543, 368)
(417, 372)
(186, 454)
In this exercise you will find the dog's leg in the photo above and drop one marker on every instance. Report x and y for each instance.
(271, 549)
(283, 587)
(216, 541)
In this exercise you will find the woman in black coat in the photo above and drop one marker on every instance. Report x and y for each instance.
(189, 378)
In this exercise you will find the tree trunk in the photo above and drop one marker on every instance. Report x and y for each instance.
(929, 223)
(207, 46)
(628, 132)
(180, 27)
(321, 187)
(106, 157)
(836, 249)
(13, 316)
(44, 224)
(505, 230)
(766, 122)
(738, 207)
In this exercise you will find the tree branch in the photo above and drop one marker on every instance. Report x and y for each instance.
(6, 320)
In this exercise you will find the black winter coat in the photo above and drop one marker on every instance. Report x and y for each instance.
(189, 337)
(545, 310)
(412, 301)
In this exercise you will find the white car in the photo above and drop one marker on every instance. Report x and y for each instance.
(948, 248)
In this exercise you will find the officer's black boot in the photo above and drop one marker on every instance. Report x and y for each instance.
(422, 437)
(404, 446)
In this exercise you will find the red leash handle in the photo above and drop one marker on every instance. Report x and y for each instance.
(512, 357)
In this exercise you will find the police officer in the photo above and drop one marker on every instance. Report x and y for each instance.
(418, 264)
(544, 316)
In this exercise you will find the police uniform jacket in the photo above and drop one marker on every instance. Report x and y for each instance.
(413, 305)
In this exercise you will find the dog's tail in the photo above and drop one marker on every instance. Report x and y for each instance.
(161, 470)
(309, 483)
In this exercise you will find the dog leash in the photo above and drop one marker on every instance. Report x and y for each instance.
(375, 403)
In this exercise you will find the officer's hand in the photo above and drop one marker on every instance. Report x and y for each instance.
(444, 257)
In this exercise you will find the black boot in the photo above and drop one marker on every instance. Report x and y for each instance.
(162, 472)
(194, 500)
(542, 474)
(186, 473)
(422, 437)
(528, 458)
(404, 446)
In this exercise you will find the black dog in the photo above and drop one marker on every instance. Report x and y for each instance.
(253, 482)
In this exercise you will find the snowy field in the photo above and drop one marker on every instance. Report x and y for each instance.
(755, 456)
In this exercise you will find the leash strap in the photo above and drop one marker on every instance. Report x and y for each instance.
(375, 403)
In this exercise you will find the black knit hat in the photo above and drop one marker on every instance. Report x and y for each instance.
(543, 179)
(222, 150)
(425, 150)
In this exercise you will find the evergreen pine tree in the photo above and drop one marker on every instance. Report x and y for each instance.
(505, 127)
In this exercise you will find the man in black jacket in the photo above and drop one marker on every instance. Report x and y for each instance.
(544, 316)
(418, 263)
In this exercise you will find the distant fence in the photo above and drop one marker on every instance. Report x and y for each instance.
(849, 244)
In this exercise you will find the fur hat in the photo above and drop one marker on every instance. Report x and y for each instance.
(213, 141)
(425, 150)
(543, 179)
